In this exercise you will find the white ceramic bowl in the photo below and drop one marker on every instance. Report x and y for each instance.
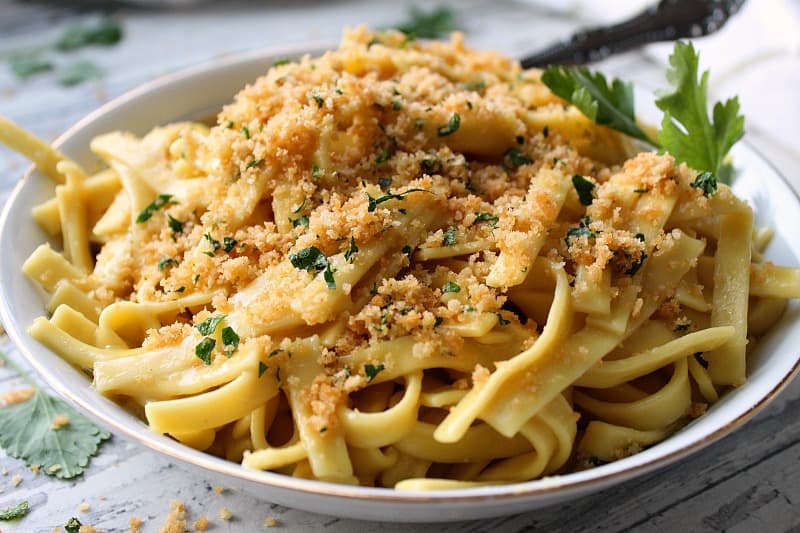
(203, 90)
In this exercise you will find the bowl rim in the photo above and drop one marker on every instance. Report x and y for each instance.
(556, 485)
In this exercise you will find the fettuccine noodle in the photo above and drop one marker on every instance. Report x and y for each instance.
(401, 264)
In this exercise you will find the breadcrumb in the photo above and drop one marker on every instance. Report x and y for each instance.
(176, 519)
(16, 479)
(270, 521)
(201, 524)
(225, 514)
(135, 524)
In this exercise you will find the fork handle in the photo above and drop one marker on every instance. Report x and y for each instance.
(667, 21)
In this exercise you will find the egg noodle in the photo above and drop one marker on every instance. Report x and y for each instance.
(400, 264)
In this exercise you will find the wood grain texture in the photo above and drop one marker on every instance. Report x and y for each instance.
(745, 482)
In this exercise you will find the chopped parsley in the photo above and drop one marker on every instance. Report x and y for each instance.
(372, 370)
(451, 127)
(106, 33)
(449, 238)
(451, 286)
(584, 188)
(483, 216)
(351, 251)
(641, 190)
(310, 259)
(683, 326)
(167, 262)
(204, 348)
(428, 25)
(431, 165)
(300, 221)
(147, 213)
(174, 224)
(228, 243)
(384, 154)
(215, 244)
(246, 131)
(26, 65)
(230, 340)
(580, 231)
(209, 325)
(636, 265)
(514, 158)
(477, 86)
(319, 100)
(316, 173)
(274, 352)
(281, 62)
(14, 512)
(73, 525)
(707, 182)
(372, 203)
(254, 163)
(330, 282)
(407, 250)
(262, 367)
(502, 321)
(301, 206)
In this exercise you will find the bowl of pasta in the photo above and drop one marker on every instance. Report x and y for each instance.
(399, 280)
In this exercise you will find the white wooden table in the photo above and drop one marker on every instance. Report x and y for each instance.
(748, 481)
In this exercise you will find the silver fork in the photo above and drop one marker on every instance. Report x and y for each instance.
(667, 21)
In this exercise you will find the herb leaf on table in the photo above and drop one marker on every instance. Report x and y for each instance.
(60, 447)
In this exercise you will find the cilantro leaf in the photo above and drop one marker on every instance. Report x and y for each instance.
(686, 130)
(148, 212)
(590, 92)
(14, 512)
(29, 433)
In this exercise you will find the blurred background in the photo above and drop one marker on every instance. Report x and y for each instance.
(60, 60)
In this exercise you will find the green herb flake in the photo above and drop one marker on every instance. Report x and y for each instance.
(14, 512)
(372, 370)
(330, 282)
(209, 325)
(584, 188)
(300, 221)
(174, 224)
(254, 163)
(180, 289)
(106, 33)
(228, 243)
(478, 86)
(147, 213)
(636, 265)
(384, 183)
(641, 190)
(316, 173)
(513, 158)
(483, 216)
(26, 65)
(274, 352)
(215, 244)
(301, 206)
(204, 348)
(449, 238)
(451, 127)
(407, 250)
(352, 250)
(262, 367)
(580, 231)
(310, 259)
(167, 262)
(246, 132)
(281, 62)
(319, 100)
(451, 286)
(502, 321)
(78, 72)
(384, 154)
(372, 203)
(707, 182)
(230, 340)
(428, 25)
(73, 525)
(431, 165)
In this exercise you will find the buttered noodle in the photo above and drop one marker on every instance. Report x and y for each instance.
(405, 265)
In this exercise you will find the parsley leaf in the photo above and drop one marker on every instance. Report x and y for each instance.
(230, 340)
(14, 512)
(352, 250)
(451, 286)
(328, 277)
(167, 262)
(636, 265)
(147, 213)
(262, 367)
(204, 348)
(228, 243)
(589, 91)
(431, 25)
(26, 65)
(514, 158)
(300, 221)
(73, 525)
(584, 188)
(174, 224)
(209, 325)
(372, 370)
(310, 259)
(706, 181)
(106, 33)
(686, 131)
(451, 127)
(78, 72)
(483, 216)
(372, 203)
(215, 244)
(27, 432)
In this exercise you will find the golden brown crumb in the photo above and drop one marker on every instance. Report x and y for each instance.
(84, 507)
(54, 468)
(134, 525)
(225, 514)
(88, 528)
(219, 489)
(101, 497)
(16, 479)
(270, 521)
(36, 469)
(697, 409)
(16, 396)
(176, 519)
(201, 524)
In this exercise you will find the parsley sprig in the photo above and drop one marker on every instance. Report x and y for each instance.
(28, 432)
(686, 131)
